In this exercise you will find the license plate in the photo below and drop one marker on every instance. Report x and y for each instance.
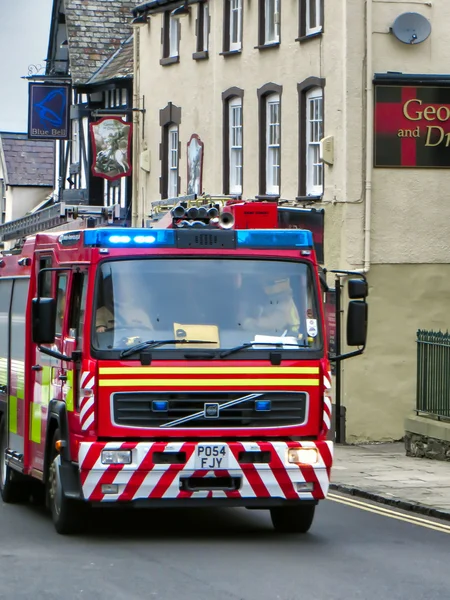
(211, 456)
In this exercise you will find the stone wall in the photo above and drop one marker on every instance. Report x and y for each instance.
(426, 437)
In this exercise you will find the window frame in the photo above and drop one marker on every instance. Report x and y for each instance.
(170, 115)
(235, 187)
(173, 186)
(307, 32)
(233, 94)
(169, 25)
(230, 47)
(202, 31)
(273, 149)
(313, 146)
(304, 90)
(266, 188)
(265, 38)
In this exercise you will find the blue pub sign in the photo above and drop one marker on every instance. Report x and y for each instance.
(48, 111)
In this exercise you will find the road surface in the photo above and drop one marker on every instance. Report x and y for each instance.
(354, 551)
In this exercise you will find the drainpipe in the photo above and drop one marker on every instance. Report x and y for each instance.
(369, 135)
(135, 208)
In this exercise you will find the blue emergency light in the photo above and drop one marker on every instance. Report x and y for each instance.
(114, 237)
(160, 406)
(263, 405)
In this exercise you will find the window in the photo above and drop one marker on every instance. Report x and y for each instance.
(170, 119)
(78, 307)
(310, 132)
(269, 139)
(172, 175)
(170, 39)
(60, 302)
(202, 31)
(273, 139)
(311, 18)
(173, 36)
(314, 133)
(232, 41)
(232, 140)
(269, 22)
(235, 134)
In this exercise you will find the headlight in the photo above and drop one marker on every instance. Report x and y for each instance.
(304, 456)
(116, 457)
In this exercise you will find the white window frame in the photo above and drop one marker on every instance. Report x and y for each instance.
(273, 144)
(314, 133)
(316, 27)
(235, 145)
(235, 41)
(174, 37)
(172, 161)
(271, 17)
(205, 9)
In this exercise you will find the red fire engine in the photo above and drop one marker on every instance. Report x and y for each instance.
(179, 366)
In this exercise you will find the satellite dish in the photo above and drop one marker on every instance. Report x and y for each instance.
(411, 28)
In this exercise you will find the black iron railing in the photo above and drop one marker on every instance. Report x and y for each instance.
(433, 373)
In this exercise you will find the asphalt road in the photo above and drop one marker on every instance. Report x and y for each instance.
(353, 551)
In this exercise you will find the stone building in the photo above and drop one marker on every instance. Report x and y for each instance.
(267, 88)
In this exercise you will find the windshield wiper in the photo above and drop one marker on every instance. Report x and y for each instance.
(251, 344)
(157, 343)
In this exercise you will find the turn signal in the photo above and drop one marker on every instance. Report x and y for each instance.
(59, 445)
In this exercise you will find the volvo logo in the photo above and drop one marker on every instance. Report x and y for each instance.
(211, 410)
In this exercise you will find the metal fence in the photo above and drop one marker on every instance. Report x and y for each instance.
(433, 373)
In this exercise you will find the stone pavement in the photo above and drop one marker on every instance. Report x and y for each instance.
(383, 472)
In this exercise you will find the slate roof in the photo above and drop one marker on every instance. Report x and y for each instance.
(119, 66)
(95, 30)
(27, 162)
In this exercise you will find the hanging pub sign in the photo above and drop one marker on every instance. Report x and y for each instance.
(111, 148)
(48, 111)
(412, 126)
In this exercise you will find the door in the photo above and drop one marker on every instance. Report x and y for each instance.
(16, 371)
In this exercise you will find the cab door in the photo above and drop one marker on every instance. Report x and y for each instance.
(16, 367)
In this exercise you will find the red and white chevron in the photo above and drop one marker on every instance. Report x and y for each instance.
(146, 479)
(327, 404)
(87, 400)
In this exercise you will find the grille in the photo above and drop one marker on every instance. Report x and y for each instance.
(136, 409)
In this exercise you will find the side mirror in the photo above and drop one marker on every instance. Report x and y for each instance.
(44, 320)
(357, 323)
(357, 289)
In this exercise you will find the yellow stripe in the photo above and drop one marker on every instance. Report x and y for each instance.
(436, 526)
(12, 409)
(207, 370)
(35, 433)
(207, 382)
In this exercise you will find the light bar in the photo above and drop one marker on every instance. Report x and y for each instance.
(123, 237)
(274, 238)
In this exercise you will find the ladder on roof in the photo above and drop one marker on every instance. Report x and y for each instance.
(56, 215)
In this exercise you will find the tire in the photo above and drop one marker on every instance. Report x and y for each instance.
(66, 513)
(292, 519)
(14, 489)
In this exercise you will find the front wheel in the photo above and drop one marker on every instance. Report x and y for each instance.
(292, 519)
(13, 487)
(66, 513)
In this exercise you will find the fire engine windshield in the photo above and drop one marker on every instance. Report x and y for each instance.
(224, 302)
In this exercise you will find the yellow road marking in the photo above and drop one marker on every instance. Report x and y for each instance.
(208, 370)
(385, 512)
(207, 382)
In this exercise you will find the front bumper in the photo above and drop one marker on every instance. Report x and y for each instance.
(167, 473)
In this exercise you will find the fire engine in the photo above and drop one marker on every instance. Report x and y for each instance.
(184, 364)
